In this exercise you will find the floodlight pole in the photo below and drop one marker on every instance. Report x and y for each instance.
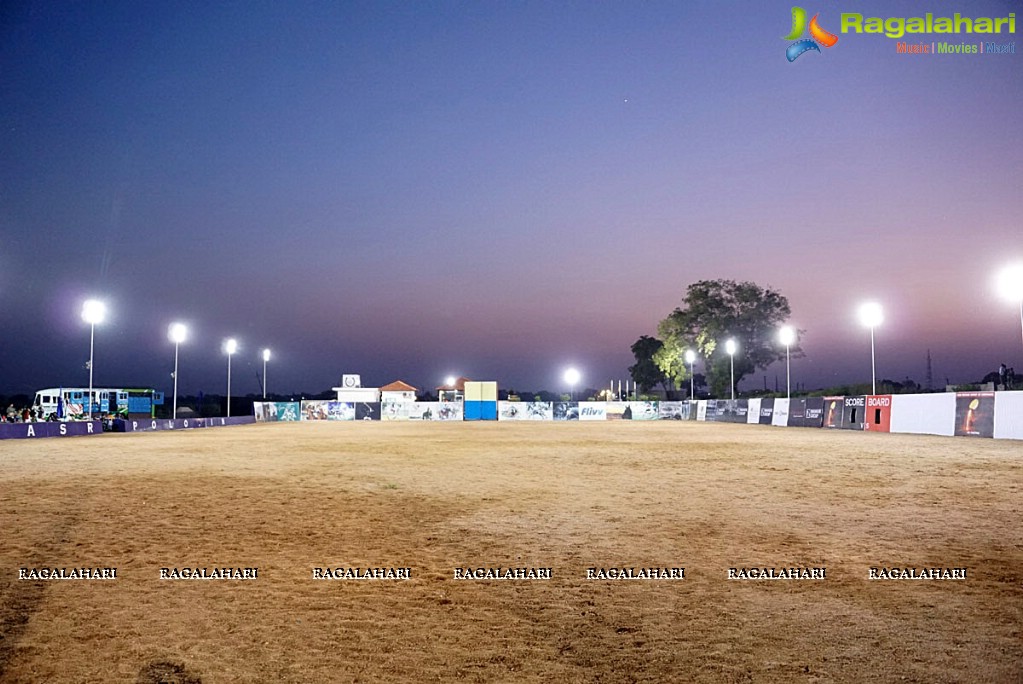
(692, 381)
(731, 363)
(175, 413)
(788, 375)
(229, 384)
(264, 376)
(92, 339)
(873, 372)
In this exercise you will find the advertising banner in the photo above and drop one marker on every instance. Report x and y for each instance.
(565, 410)
(780, 415)
(367, 410)
(753, 412)
(879, 413)
(327, 410)
(766, 411)
(593, 410)
(833, 407)
(975, 414)
(272, 411)
(525, 410)
(615, 410)
(808, 412)
(673, 410)
(642, 410)
(701, 409)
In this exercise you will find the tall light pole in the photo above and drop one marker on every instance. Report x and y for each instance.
(872, 315)
(730, 349)
(572, 377)
(177, 334)
(230, 346)
(691, 359)
(93, 312)
(1010, 287)
(266, 357)
(787, 336)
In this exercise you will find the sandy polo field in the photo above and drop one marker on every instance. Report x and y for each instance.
(287, 499)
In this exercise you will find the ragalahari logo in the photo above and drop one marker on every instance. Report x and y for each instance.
(805, 45)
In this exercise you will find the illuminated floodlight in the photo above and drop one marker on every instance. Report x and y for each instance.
(450, 381)
(691, 359)
(572, 377)
(1010, 287)
(787, 336)
(230, 346)
(872, 315)
(730, 348)
(93, 313)
(177, 333)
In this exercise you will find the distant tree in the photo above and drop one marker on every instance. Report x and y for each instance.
(645, 372)
(713, 311)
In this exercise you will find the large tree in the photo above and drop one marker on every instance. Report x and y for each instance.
(713, 311)
(645, 372)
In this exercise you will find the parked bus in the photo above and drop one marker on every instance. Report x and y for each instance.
(72, 403)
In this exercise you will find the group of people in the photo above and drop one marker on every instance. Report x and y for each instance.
(1006, 377)
(24, 415)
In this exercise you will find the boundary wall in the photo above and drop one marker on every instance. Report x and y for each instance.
(965, 414)
(84, 428)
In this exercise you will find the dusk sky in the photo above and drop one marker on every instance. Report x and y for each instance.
(492, 189)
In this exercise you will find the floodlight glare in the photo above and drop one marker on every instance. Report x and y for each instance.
(230, 346)
(690, 356)
(871, 314)
(1010, 283)
(93, 311)
(1010, 287)
(266, 355)
(177, 332)
(787, 335)
(450, 381)
(572, 376)
(730, 347)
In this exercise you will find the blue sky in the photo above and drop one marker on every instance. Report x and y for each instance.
(409, 190)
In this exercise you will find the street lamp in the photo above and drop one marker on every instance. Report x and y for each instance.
(1010, 287)
(691, 359)
(230, 347)
(93, 312)
(572, 377)
(177, 332)
(266, 357)
(730, 349)
(787, 336)
(872, 315)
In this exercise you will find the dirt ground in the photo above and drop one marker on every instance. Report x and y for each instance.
(570, 496)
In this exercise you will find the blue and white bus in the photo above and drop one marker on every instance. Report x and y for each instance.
(72, 403)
